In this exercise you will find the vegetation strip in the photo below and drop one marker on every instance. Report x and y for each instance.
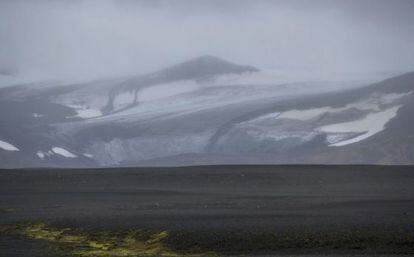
(137, 243)
(72, 242)
(9, 210)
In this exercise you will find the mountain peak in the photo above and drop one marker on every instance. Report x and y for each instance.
(199, 68)
(205, 66)
(208, 58)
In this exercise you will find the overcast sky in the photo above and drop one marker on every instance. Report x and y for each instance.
(111, 38)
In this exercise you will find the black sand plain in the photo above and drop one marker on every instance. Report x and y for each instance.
(214, 210)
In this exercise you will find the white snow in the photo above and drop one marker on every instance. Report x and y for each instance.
(189, 99)
(84, 112)
(335, 138)
(41, 154)
(88, 113)
(305, 114)
(377, 109)
(167, 90)
(263, 134)
(88, 155)
(369, 126)
(373, 103)
(63, 152)
(147, 147)
(90, 99)
(286, 75)
(37, 115)
(7, 146)
(124, 99)
(271, 116)
(265, 77)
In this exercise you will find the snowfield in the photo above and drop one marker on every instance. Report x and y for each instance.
(7, 146)
(191, 97)
(63, 152)
(374, 103)
(205, 108)
(369, 126)
(365, 118)
(85, 112)
(55, 150)
(186, 96)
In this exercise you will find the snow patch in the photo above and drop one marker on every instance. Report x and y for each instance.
(264, 134)
(369, 126)
(373, 103)
(266, 77)
(88, 113)
(306, 114)
(85, 112)
(41, 154)
(271, 116)
(37, 115)
(147, 147)
(167, 90)
(7, 146)
(124, 99)
(63, 152)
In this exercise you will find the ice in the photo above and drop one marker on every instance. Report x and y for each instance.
(147, 147)
(7, 146)
(191, 97)
(88, 113)
(63, 152)
(369, 126)
(85, 112)
(263, 134)
(373, 103)
(286, 76)
(377, 110)
(167, 90)
(271, 116)
(37, 115)
(93, 95)
(306, 114)
(41, 154)
(124, 99)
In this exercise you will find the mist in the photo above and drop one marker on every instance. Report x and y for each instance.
(97, 39)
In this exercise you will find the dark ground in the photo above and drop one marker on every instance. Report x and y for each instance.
(219, 201)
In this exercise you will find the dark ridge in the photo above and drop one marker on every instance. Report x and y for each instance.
(199, 68)
(204, 66)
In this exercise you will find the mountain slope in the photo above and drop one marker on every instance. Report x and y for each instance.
(208, 111)
(200, 68)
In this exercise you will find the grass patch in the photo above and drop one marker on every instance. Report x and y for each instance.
(136, 243)
(9, 210)
(76, 242)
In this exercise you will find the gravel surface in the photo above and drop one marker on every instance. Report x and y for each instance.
(220, 199)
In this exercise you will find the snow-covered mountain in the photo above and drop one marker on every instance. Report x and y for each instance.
(208, 111)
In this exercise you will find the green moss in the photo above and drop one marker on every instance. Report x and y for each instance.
(9, 210)
(136, 243)
(80, 243)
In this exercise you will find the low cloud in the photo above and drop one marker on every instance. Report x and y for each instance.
(92, 39)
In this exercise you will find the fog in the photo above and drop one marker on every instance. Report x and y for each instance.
(94, 39)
